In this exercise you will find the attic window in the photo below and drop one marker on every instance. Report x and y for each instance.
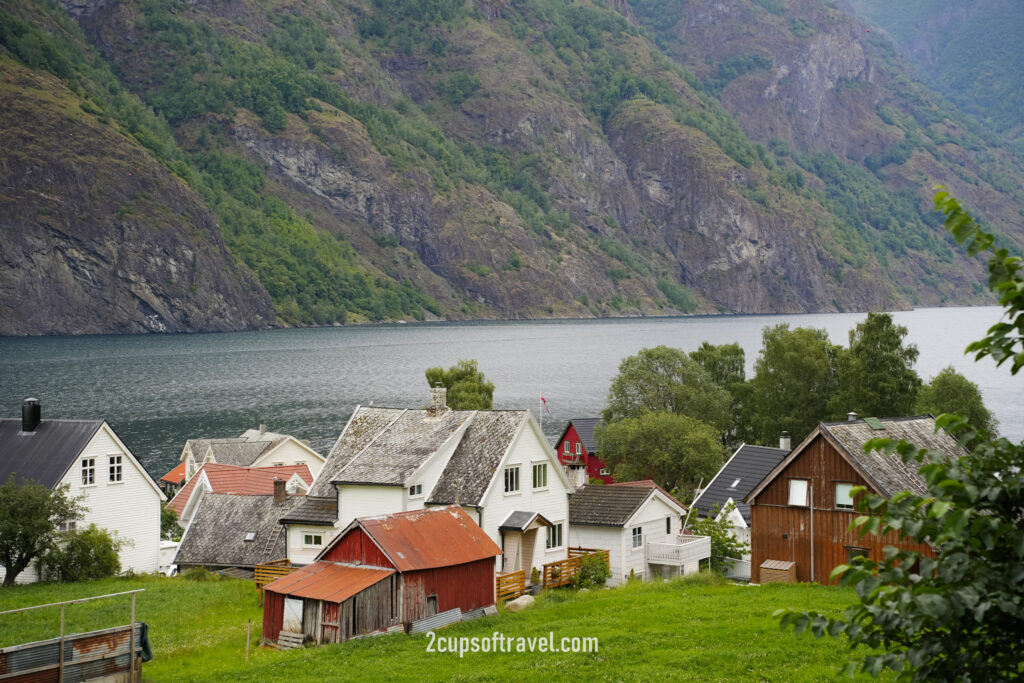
(250, 537)
(734, 484)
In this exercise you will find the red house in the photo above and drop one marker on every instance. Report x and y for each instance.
(577, 449)
(384, 573)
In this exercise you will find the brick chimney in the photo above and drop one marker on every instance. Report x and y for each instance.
(438, 400)
(280, 494)
(31, 414)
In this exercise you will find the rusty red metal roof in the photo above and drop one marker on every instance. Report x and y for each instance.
(424, 539)
(328, 581)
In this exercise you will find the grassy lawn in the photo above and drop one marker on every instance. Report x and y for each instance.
(692, 629)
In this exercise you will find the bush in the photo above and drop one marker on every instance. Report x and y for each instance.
(81, 555)
(724, 545)
(200, 574)
(594, 571)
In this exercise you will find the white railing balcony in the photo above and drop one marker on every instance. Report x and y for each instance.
(681, 550)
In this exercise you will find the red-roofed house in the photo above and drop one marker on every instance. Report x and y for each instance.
(175, 479)
(577, 451)
(383, 572)
(241, 481)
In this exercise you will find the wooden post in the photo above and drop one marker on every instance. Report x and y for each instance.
(60, 666)
(248, 634)
(131, 644)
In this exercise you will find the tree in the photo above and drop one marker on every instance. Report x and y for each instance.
(726, 366)
(90, 553)
(876, 374)
(794, 380)
(959, 615)
(951, 392)
(724, 544)
(466, 385)
(169, 527)
(665, 379)
(29, 517)
(676, 451)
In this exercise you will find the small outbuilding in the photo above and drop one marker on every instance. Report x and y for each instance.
(385, 572)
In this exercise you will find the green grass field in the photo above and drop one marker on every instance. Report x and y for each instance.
(699, 628)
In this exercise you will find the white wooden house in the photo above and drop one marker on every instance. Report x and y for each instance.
(640, 525)
(116, 491)
(254, 448)
(496, 465)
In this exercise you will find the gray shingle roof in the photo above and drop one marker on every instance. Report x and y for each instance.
(476, 458)
(519, 520)
(749, 464)
(216, 535)
(319, 511)
(236, 451)
(604, 505)
(46, 453)
(401, 448)
(889, 471)
(365, 424)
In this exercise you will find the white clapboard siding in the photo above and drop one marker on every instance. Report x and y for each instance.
(367, 501)
(603, 538)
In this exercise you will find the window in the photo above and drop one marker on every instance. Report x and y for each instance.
(114, 468)
(67, 526)
(668, 526)
(540, 476)
(798, 492)
(250, 537)
(855, 552)
(512, 479)
(312, 540)
(638, 537)
(565, 448)
(88, 471)
(604, 472)
(735, 484)
(844, 496)
(554, 536)
(579, 448)
(278, 464)
(416, 490)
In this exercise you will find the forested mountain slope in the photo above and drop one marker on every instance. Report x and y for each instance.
(392, 160)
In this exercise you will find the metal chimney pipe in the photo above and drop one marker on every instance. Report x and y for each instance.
(784, 441)
(31, 414)
(851, 416)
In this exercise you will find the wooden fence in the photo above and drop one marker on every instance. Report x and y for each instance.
(563, 572)
(509, 585)
(269, 571)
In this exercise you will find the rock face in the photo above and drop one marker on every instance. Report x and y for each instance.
(97, 237)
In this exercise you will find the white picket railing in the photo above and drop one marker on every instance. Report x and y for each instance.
(680, 551)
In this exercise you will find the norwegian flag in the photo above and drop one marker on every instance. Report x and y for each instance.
(545, 402)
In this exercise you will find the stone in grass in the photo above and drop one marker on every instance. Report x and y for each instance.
(519, 603)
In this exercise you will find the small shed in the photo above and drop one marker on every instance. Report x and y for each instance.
(778, 571)
(382, 572)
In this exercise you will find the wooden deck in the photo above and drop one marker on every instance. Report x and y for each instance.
(509, 585)
(270, 571)
(563, 572)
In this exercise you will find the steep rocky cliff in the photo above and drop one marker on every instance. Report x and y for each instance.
(382, 160)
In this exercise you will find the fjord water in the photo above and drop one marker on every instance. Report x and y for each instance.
(159, 390)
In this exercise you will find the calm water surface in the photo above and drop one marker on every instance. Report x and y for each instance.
(159, 390)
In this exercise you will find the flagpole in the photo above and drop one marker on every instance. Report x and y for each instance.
(540, 410)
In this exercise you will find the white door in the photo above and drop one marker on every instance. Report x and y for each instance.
(292, 615)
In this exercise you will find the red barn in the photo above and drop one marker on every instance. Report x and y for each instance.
(383, 572)
(577, 448)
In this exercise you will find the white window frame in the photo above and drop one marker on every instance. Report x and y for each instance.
(798, 489)
(69, 525)
(415, 490)
(310, 540)
(542, 468)
(88, 471)
(553, 538)
(668, 526)
(512, 480)
(605, 472)
(566, 447)
(115, 465)
(841, 503)
(638, 537)
(579, 448)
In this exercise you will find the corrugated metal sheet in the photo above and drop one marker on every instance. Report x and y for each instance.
(327, 581)
(473, 614)
(86, 655)
(424, 539)
(452, 616)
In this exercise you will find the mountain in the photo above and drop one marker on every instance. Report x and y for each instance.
(492, 159)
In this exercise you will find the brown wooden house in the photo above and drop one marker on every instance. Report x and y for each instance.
(802, 510)
(383, 573)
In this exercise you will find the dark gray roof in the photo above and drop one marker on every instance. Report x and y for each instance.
(749, 464)
(319, 511)
(216, 535)
(585, 428)
(889, 471)
(364, 426)
(606, 505)
(45, 454)
(520, 520)
(401, 448)
(476, 458)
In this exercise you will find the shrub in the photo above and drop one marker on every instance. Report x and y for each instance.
(79, 555)
(724, 545)
(594, 571)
